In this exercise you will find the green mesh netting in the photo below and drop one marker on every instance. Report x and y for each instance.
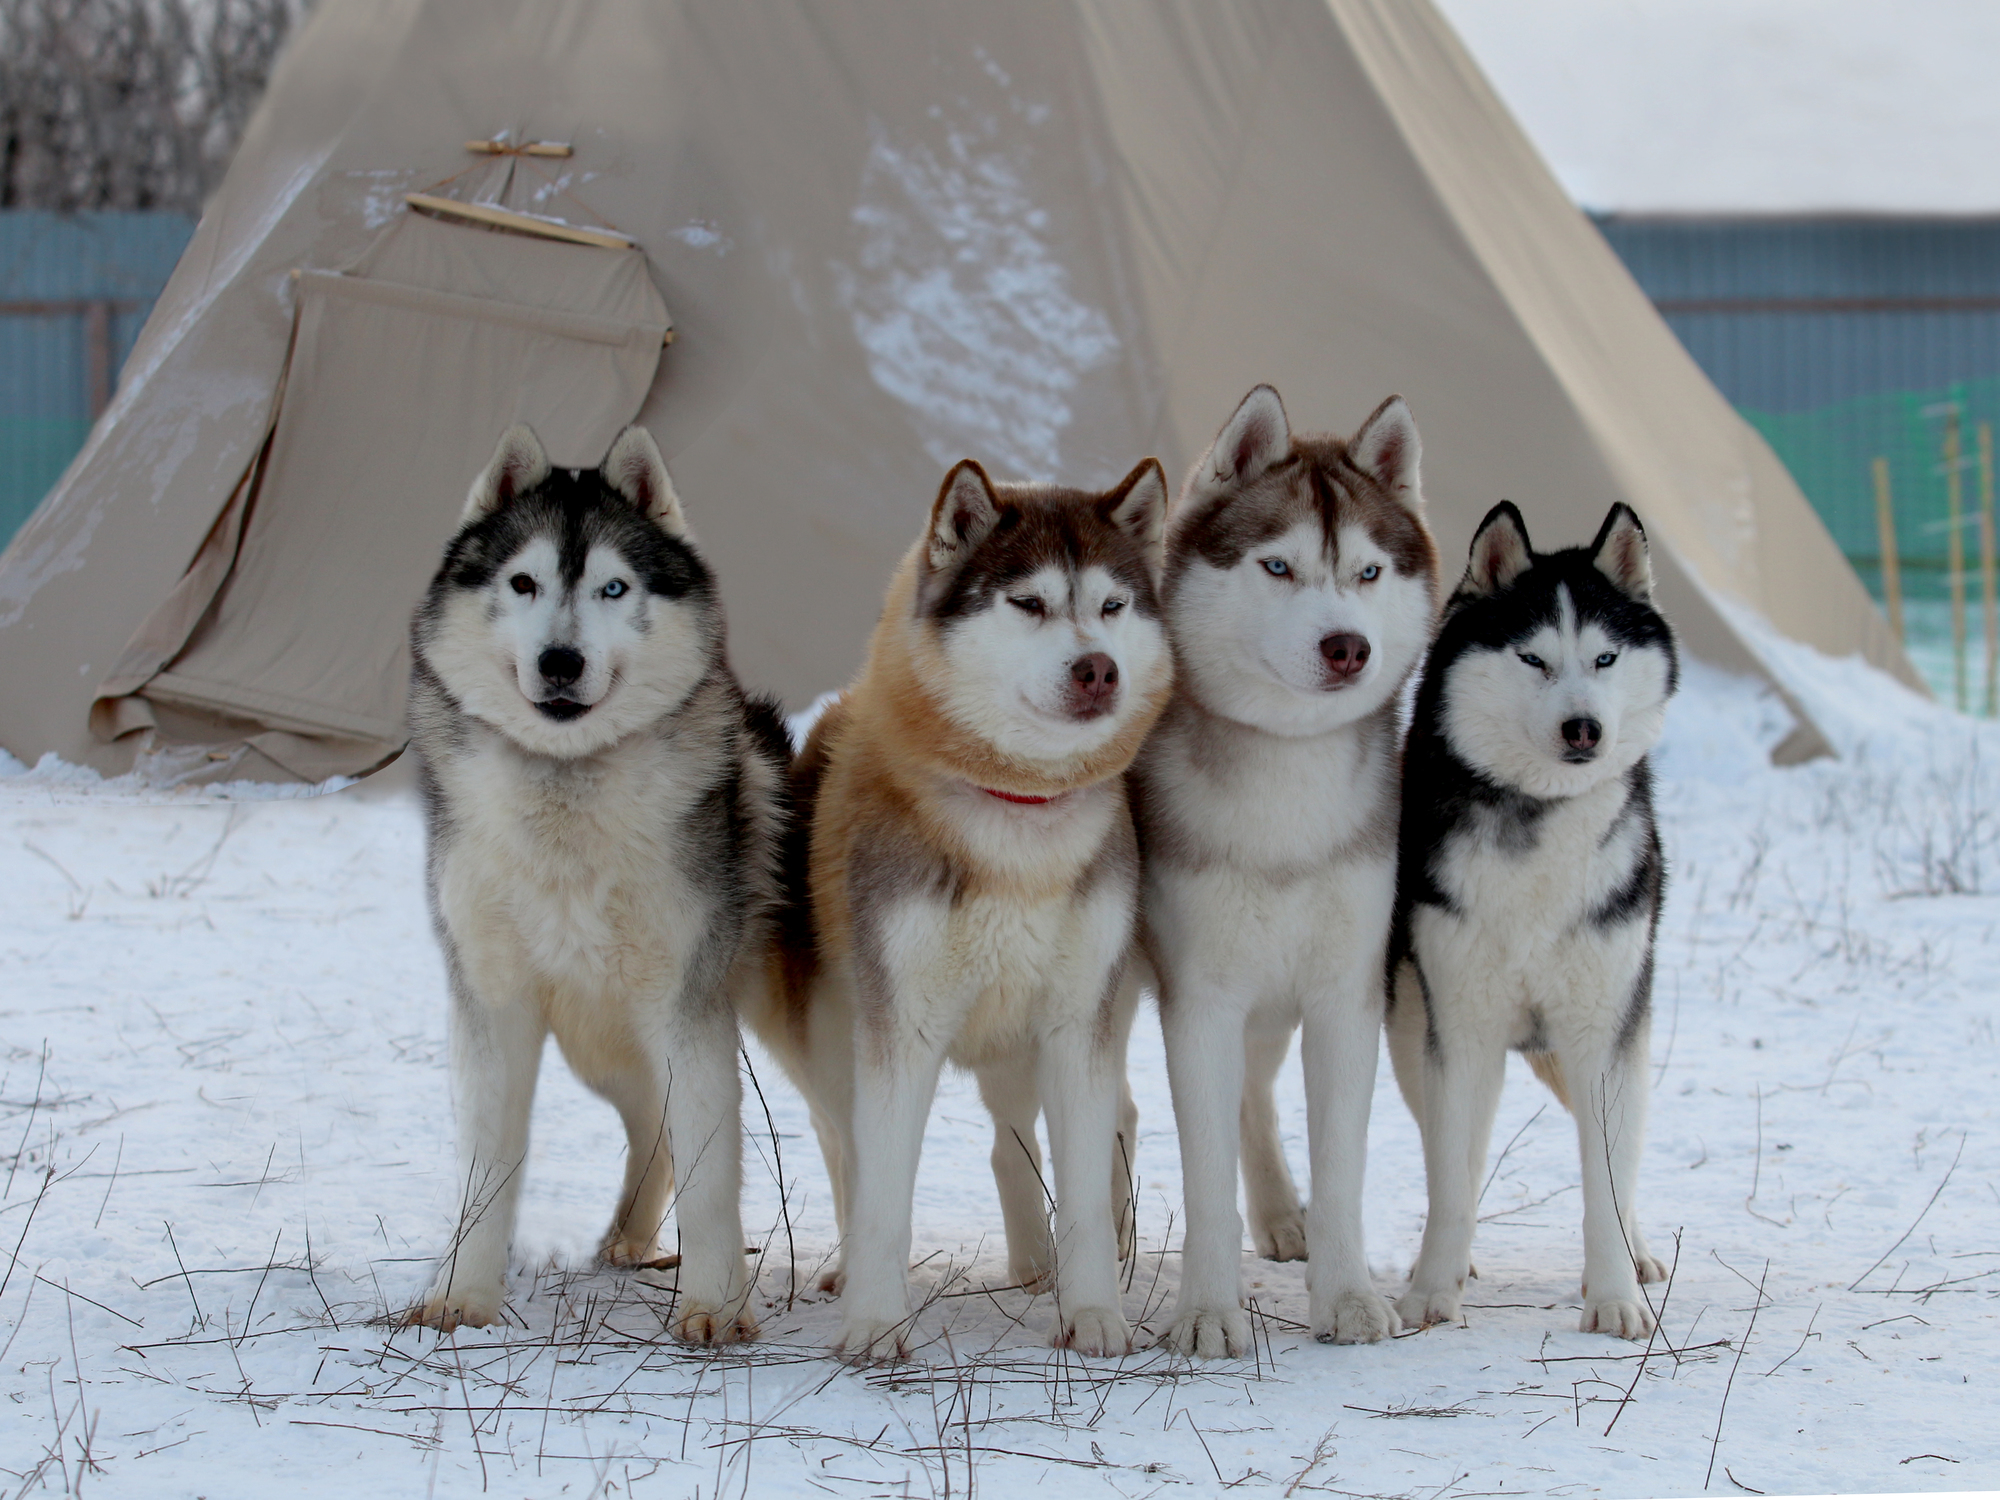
(1831, 452)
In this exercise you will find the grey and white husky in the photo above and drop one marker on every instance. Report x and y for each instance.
(603, 807)
(1530, 887)
(1301, 587)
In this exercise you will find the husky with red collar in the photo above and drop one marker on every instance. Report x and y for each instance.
(964, 881)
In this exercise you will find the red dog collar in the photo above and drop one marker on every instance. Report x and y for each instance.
(1010, 797)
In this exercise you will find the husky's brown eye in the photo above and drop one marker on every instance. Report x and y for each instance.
(1028, 604)
(521, 583)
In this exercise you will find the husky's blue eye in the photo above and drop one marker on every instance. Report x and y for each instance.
(1277, 567)
(1533, 660)
(521, 583)
(618, 588)
(1607, 658)
(1372, 572)
(1112, 606)
(1028, 604)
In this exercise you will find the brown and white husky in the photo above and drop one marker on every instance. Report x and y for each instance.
(965, 880)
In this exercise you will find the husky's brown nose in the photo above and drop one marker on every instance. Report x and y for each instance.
(561, 665)
(1093, 685)
(1581, 737)
(1345, 656)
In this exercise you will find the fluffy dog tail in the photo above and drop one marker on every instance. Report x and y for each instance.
(1406, 1026)
(1548, 1068)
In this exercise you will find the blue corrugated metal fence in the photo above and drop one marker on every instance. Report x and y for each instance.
(74, 292)
(1845, 341)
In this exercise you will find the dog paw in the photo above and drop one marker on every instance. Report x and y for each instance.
(833, 1282)
(1421, 1307)
(1358, 1316)
(1621, 1317)
(1032, 1277)
(700, 1323)
(1094, 1330)
(454, 1307)
(1650, 1268)
(1280, 1237)
(1209, 1333)
(621, 1250)
(873, 1341)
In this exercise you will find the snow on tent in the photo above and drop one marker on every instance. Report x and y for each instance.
(1054, 236)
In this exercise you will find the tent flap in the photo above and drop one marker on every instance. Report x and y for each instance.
(292, 619)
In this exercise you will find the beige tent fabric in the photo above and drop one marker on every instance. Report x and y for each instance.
(1056, 235)
(1729, 514)
(401, 371)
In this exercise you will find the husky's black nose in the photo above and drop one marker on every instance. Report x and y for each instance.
(1580, 736)
(1345, 656)
(1093, 685)
(561, 665)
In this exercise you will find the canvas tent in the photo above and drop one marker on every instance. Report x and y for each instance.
(1055, 235)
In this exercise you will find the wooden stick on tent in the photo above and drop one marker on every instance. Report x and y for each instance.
(496, 217)
(508, 148)
(1954, 493)
(1892, 571)
(1987, 569)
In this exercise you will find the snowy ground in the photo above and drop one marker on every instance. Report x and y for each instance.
(223, 1127)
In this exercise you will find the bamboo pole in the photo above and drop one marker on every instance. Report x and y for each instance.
(1954, 494)
(1987, 570)
(1892, 571)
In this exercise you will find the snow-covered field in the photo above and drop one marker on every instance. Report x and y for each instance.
(224, 1134)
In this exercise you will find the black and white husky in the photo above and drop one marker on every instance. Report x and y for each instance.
(602, 805)
(1301, 588)
(1529, 888)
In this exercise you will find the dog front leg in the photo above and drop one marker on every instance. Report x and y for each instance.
(895, 1081)
(1080, 1082)
(1204, 1043)
(1610, 1130)
(496, 1052)
(1339, 1052)
(705, 1138)
(1461, 1091)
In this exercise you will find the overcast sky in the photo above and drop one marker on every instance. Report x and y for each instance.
(1753, 105)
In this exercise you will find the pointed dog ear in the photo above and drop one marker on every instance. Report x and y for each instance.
(1621, 553)
(1257, 436)
(1388, 450)
(518, 465)
(1500, 551)
(635, 469)
(963, 515)
(1137, 506)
